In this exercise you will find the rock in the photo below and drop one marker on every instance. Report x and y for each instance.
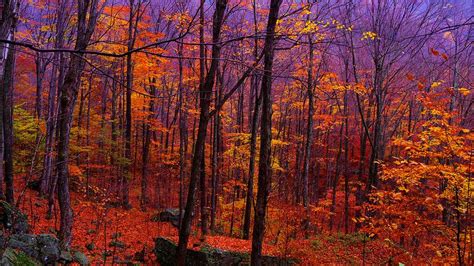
(139, 255)
(44, 247)
(90, 246)
(26, 243)
(49, 248)
(80, 258)
(168, 215)
(22, 248)
(165, 251)
(117, 244)
(13, 258)
(66, 256)
(13, 219)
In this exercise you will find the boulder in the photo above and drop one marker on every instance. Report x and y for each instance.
(48, 248)
(26, 243)
(168, 215)
(165, 251)
(80, 258)
(13, 257)
(21, 248)
(12, 219)
(66, 256)
(43, 247)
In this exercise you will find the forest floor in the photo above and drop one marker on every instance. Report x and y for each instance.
(110, 235)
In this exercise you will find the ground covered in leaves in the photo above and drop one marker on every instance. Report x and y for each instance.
(110, 234)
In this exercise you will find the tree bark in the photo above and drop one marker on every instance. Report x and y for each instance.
(309, 136)
(265, 167)
(205, 92)
(87, 14)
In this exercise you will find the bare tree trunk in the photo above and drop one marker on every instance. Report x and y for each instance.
(183, 134)
(346, 166)
(88, 124)
(253, 134)
(335, 180)
(203, 195)
(128, 113)
(215, 160)
(7, 61)
(87, 18)
(265, 167)
(205, 92)
(40, 71)
(309, 136)
(7, 83)
(146, 150)
(202, 181)
(253, 152)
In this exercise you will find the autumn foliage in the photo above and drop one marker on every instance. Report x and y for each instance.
(345, 126)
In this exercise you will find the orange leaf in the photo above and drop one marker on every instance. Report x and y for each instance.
(420, 86)
(434, 52)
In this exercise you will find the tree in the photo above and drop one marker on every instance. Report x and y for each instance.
(205, 92)
(87, 13)
(265, 163)
(7, 61)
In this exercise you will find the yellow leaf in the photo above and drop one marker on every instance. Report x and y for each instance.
(464, 91)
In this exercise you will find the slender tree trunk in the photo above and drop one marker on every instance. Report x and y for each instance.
(309, 136)
(7, 28)
(87, 18)
(265, 167)
(335, 180)
(346, 165)
(253, 151)
(183, 134)
(253, 119)
(146, 151)
(203, 195)
(128, 113)
(205, 92)
(88, 125)
(40, 70)
(8, 123)
(56, 79)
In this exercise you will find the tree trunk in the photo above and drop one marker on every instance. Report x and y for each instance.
(87, 18)
(253, 152)
(309, 136)
(146, 151)
(265, 167)
(253, 119)
(7, 83)
(205, 92)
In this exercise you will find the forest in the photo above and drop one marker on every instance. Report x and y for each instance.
(236, 132)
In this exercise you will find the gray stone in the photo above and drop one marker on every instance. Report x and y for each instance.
(66, 256)
(26, 243)
(80, 258)
(117, 244)
(49, 248)
(17, 258)
(165, 251)
(13, 219)
(168, 215)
